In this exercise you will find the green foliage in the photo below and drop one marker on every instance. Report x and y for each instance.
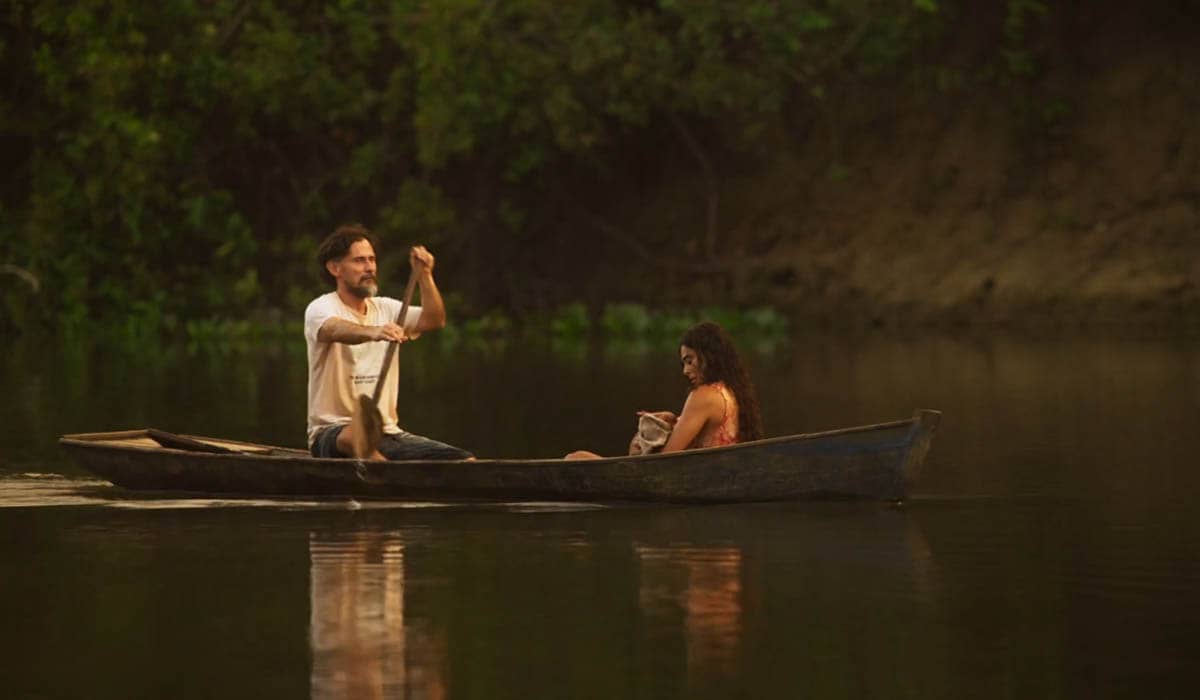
(1018, 58)
(420, 211)
(178, 160)
(491, 324)
(636, 322)
(570, 321)
(626, 320)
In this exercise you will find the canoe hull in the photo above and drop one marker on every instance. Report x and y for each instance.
(878, 462)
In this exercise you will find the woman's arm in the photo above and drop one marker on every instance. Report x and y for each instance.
(700, 407)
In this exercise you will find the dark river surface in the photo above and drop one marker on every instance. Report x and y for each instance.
(1052, 549)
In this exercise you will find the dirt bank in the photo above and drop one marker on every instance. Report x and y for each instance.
(1069, 197)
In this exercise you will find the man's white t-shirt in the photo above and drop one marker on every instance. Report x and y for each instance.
(338, 373)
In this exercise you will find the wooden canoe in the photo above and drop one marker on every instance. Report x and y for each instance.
(879, 461)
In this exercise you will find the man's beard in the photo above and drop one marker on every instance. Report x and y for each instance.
(365, 290)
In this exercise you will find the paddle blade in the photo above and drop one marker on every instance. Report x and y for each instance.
(366, 428)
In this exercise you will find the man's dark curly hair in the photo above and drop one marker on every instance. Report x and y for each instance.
(720, 363)
(337, 244)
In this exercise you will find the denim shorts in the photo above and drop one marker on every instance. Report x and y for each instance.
(401, 446)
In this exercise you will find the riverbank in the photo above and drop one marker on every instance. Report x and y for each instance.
(1068, 197)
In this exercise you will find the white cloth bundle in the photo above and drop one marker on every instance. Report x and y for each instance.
(651, 436)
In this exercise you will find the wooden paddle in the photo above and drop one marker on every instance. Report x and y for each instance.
(366, 424)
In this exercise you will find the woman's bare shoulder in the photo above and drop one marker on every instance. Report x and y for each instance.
(713, 390)
(705, 395)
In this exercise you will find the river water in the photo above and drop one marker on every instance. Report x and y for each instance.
(1052, 548)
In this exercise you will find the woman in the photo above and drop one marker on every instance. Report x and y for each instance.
(721, 408)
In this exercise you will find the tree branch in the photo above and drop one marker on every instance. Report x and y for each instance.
(24, 275)
(234, 27)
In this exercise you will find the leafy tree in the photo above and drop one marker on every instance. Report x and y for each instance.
(180, 159)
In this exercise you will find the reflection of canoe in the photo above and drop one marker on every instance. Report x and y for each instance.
(874, 461)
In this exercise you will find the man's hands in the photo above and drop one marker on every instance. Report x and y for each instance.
(389, 331)
(421, 260)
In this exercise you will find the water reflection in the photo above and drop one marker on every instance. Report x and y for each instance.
(362, 645)
(704, 585)
(366, 642)
(678, 598)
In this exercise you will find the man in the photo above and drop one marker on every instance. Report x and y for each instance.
(347, 333)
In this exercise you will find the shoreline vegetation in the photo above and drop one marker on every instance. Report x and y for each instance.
(621, 328)
(940, 164)
(619, 324)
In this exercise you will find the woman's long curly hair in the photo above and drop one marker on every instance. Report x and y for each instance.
(721, 363)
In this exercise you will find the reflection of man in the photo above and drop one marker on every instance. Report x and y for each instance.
(363, 643)
(344, 329)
